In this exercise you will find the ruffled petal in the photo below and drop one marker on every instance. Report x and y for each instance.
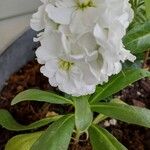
(61, 15)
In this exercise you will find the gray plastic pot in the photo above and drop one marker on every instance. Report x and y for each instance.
(16, 55)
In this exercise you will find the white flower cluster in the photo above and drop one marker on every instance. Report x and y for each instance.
(81, 44)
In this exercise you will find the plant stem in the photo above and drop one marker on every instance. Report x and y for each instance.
(77, 137)
(99, 119)
(145, 66)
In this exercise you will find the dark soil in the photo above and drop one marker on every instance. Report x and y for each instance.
(133, 137)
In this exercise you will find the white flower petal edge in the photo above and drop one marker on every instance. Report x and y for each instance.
(70, 82)
(81, 44)
(40, 20)
(114, 47)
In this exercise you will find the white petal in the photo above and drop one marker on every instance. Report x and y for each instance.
(60, 15)
(37, 21)
(42, 55)
(100, 34)
(64, 29)
(61, 77)
(52, 79)
(88, 76)
(76, 24)
(88, 41)
(126, 55)
(50, 68)
(90, 16)
(91, 55)
(82, 21)
(51, 42)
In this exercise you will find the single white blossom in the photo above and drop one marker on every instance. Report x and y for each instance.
(65, 65)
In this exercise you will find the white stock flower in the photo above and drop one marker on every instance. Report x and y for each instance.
(81, 44)
(82, 15)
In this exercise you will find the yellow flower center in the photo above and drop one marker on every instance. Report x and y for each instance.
(85, 4)
(65, 65)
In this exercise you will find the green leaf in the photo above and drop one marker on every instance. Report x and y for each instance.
(101, 139)
(41, 96)
(57, 136)
(117, 83)
(147, 4)
(102, 117)
(8, 122)
(99, 118)
(139, 12)
(22, 142)
(137, 39)
(83, 114)
(123, 112)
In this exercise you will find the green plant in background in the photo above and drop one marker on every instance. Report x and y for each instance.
(139, 12)
(147, 5)
(137, 38)
(61, 127)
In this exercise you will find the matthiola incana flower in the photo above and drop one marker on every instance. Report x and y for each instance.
(82, 15)
(81, 44)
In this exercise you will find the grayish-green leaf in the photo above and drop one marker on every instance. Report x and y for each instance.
(8, 122)
(117, 83)
(83, 114)
(57, 136)
(123, 112)
(137, 39)
(101, 139)
(22, 142)
(41, 96)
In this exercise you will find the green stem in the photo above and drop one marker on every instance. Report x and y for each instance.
(99, 119)
(77, 137)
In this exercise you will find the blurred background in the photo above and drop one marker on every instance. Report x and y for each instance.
(15, 19)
